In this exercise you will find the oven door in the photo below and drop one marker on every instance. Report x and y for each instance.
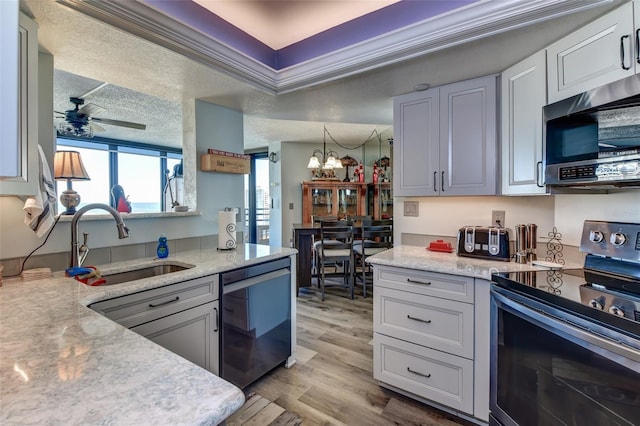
(550, 368)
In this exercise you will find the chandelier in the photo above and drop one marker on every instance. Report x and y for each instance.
(329, 158)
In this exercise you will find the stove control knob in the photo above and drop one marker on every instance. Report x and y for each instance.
(618, 239)
(596, 236)
(597, 303)
(616, 310)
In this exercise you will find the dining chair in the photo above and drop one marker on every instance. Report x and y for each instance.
(335, 255)
(315, 240)
(374, 236)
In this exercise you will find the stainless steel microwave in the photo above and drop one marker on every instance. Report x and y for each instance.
(593, 139)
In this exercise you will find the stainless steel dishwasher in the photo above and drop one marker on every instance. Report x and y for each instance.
(256, 318)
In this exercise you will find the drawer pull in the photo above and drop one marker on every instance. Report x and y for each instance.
(419, 319)
(418, 373)
(409, 280)
(151, 305)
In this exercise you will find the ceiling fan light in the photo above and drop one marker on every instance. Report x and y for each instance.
(67, 129)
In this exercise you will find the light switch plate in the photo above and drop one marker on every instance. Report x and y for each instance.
(411, 208)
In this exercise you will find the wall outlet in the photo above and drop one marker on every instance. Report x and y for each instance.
(411, 208)
(497, 218)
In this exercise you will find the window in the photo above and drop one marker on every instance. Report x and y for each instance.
(141, 170)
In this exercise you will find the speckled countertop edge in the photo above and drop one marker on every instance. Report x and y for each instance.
(414, 257)
(63, 363)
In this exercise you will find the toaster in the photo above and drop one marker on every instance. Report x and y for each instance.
(484, 242)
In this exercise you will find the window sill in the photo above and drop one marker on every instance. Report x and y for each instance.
(130, 216)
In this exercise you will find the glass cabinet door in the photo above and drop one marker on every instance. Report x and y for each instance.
(322, 202)
(386, 202)
(347, 202)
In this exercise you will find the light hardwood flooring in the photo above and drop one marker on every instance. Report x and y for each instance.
(332, 382)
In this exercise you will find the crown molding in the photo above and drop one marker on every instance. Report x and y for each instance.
(477, 20)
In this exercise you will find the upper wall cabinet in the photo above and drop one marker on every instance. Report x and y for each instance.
(523, 96)
(445, 140)
(19, 116)
(596, 54)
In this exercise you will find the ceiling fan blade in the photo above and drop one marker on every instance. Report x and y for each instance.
(96, 128)
(120, 123)
(91, 109)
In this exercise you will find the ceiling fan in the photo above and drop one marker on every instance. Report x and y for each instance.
(80, 122)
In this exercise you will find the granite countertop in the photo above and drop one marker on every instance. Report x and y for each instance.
(414, 257)
(63, 363)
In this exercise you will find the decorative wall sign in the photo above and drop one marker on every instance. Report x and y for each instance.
(225, 162)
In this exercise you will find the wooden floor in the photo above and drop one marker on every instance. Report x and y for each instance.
(332, 382)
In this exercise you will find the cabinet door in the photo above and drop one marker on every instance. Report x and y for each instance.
(193, 334)
(523, 96)
(19, 169)
(322, 202)
(348, 202)
(596, 54)
(416, 143)
(468, 137)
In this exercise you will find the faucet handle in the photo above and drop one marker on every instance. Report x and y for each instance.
(83, 251)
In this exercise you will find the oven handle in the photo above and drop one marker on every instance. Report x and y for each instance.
(569, 327)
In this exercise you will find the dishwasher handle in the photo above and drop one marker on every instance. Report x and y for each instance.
(239, 285)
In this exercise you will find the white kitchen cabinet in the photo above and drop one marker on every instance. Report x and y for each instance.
(183, 317)
(523, 96)
(193, 334)
(445, 140)
(19, 168)
(416, 143)
(431, 338)
(596, 54)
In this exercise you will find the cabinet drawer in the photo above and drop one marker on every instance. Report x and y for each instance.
(452, 287)
(434, 375)
(438, 323)
(138, 308)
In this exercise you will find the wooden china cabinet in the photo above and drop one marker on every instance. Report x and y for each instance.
(333, 198)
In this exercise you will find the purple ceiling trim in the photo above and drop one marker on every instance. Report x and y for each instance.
(196, 16)
(392, 17)
(384, 20)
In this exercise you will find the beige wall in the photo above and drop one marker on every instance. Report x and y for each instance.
(442, 216)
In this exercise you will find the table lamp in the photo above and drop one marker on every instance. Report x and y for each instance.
(68, 165)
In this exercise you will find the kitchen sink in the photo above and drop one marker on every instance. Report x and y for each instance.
(143, 272)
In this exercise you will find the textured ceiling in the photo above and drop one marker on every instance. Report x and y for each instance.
(148, 83)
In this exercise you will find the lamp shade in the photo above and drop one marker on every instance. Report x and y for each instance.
(314, 163)
(68, 165)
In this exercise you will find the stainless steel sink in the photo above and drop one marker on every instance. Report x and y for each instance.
(143, 272)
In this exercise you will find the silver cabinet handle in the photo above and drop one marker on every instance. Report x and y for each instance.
(151, 305)
(538, 174)
(419, 319)
(418, 373)
(435, 189)
(217, 320)
(442, 181)
(409, 280)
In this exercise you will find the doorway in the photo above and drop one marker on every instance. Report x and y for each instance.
(258, 199)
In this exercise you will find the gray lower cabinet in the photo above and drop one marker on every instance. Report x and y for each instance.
(183, 317)
(193, 334)
(431, 338)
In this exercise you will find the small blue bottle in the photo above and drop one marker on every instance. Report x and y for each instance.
(163, 248)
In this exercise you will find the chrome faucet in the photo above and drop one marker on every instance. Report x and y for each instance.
(123, 231)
